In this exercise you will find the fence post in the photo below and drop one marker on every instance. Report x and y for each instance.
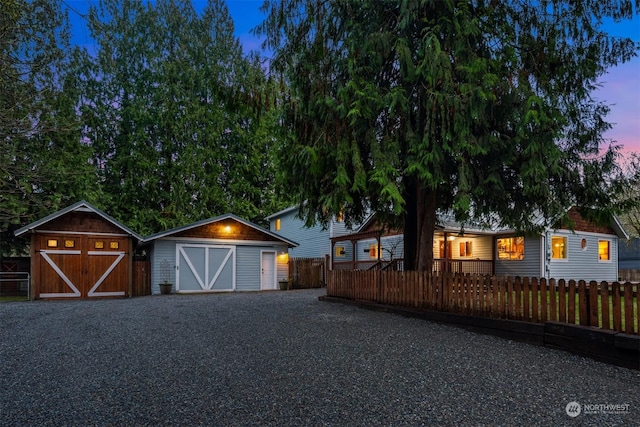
(593, 303)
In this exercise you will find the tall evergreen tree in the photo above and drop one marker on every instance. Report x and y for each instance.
(413, 107)
(43, 163)
(174, 110)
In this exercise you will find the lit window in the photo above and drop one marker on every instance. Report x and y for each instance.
(558, 247)
(114, 245)
(465, 249)
(339, 251)
(69, 243)
(98, 244)
(278, 224)
(373, 251)
(52, 243)
(511, 248)
(340, 217)
(603, 250)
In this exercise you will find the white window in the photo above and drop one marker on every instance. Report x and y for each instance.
(373, 251)
(511, 248)
(604, 252)
(558, 247)
(465, 249)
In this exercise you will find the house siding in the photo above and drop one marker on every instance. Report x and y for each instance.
(161, 250)
(583, 264)
(314, 241)
(247, 258)
(629, 254)
(390, 244)
(481, 247)
(530, 266)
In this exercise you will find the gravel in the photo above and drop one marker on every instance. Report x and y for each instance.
(285, 359)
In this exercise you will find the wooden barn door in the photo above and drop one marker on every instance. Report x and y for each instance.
(107, 267)
(79, 266)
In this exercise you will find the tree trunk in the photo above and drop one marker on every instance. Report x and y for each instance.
(410, 223)
(419, 225)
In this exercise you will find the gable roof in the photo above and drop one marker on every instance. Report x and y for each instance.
(219, 218)
(282, 212)
(81, 206)
(446, 222)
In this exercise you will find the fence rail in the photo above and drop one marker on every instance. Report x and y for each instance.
(15, 284)
(612, 306)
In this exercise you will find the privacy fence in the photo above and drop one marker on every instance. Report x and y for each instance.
(612, 306)
(307, 273)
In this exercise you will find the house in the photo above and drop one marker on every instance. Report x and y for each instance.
(80, 252)
(629, 259)
(629, 254)
(225, 253)
(314, 242)
(587, 251)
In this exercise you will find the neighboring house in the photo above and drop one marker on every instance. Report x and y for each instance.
(314, 242)
(629, 254)
(80, 252)
(589, 252)
(225, 253)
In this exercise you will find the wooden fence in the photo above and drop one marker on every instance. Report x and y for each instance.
(141, 277)
(307, 273)
(612, 306)
(629, 275)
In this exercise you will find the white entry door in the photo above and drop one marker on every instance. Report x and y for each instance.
(202, 268)
(268, 274)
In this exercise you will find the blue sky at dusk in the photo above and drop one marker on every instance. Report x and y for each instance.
(620, 86)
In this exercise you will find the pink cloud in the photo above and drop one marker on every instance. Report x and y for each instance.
(621, 91)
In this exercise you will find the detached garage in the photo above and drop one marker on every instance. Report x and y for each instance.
(80, 252)
(225, 253)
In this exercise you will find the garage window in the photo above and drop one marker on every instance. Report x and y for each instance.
(52, 243)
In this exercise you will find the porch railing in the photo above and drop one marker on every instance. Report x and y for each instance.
(470, 266)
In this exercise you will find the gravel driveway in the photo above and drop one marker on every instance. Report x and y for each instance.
(284, 358)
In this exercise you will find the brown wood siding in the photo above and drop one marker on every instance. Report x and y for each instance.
(84, 261)
(87, 222)
(228, 229)
(582, 224)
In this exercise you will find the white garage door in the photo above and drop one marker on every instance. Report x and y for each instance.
(202, 268)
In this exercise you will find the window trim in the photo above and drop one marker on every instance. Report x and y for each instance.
(566, 248)
(609, 242)
(510, 258)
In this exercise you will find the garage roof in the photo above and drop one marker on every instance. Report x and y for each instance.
(166, 233)
(81, 206)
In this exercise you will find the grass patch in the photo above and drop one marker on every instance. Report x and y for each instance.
(13, 298)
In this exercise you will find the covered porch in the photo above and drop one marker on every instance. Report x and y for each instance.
(454, 251)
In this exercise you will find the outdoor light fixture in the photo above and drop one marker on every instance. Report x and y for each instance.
(227, 229)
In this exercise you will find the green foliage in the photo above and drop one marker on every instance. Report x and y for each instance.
(43, 163)
(178, 117)
(483, 108)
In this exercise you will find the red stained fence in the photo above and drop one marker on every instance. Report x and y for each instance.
(612, 306)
